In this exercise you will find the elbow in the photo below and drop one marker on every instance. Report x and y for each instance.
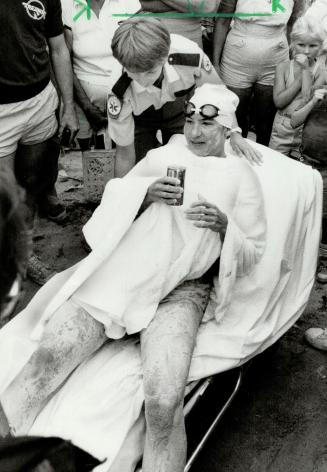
(279, 104)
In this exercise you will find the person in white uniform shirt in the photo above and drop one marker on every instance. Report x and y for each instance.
(95, 68)
(160, 73)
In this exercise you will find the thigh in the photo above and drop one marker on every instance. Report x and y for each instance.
(42, 123)
(274, 50)
(239, 65)
(36, 165)
(73, 334)
(167, 344)
(12, 123)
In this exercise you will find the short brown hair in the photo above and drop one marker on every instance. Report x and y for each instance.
(139, 44)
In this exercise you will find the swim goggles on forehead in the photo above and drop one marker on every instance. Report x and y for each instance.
(206, 111)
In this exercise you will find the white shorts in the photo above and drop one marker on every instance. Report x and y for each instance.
(251, 54)
(28, 122)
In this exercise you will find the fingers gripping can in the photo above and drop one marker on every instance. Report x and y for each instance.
(178, 173)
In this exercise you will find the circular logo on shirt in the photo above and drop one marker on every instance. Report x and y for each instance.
(114, 106)
(35, 9)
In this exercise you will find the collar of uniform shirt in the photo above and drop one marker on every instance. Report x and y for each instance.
(170, 75)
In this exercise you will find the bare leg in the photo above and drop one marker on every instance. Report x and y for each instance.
(167, 346)
(70, 336)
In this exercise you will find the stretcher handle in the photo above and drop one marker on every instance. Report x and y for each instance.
(214, 423)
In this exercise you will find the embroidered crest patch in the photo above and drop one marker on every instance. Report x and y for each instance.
(114, 106)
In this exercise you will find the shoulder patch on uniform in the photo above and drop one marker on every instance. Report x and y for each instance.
(206, 64)
(184, 59)
(121, 85)
(114, 106)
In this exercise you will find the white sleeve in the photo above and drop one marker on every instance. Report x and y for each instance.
(248, 223)
(67, 13)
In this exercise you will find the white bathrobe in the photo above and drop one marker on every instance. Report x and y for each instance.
(105, 393)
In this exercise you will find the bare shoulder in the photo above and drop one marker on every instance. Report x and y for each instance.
(282, 68)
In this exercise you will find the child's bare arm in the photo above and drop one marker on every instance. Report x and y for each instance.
(300, 115)
(283, 95)
(310, 83)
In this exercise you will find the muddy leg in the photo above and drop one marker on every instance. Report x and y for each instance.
(167, 346)
(70, 336)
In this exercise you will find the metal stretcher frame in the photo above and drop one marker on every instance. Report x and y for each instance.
(193, 398)
(195, 392)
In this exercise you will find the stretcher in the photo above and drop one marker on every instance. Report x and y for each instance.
(206, 401)
(205, 404)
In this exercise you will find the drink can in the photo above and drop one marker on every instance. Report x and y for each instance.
(178, 173)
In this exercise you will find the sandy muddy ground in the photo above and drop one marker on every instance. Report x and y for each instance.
(278, 422)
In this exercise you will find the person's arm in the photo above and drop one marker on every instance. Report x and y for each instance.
(221, 29)
(307, 84)
(121, 128)
(299, 116)
(243, 148)
(298, 10)
(248, 222)
(283, 95)
(62, 67)
(311, 83)
(125, 159)
(96, 118)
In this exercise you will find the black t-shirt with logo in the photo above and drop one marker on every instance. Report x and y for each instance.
(25, 26)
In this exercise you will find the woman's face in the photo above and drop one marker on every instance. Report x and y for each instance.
(309, 47)
(148, 78)
(205, 137)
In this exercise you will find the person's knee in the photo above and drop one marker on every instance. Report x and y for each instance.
(36, 166)
(162, 406)
(45, 359)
